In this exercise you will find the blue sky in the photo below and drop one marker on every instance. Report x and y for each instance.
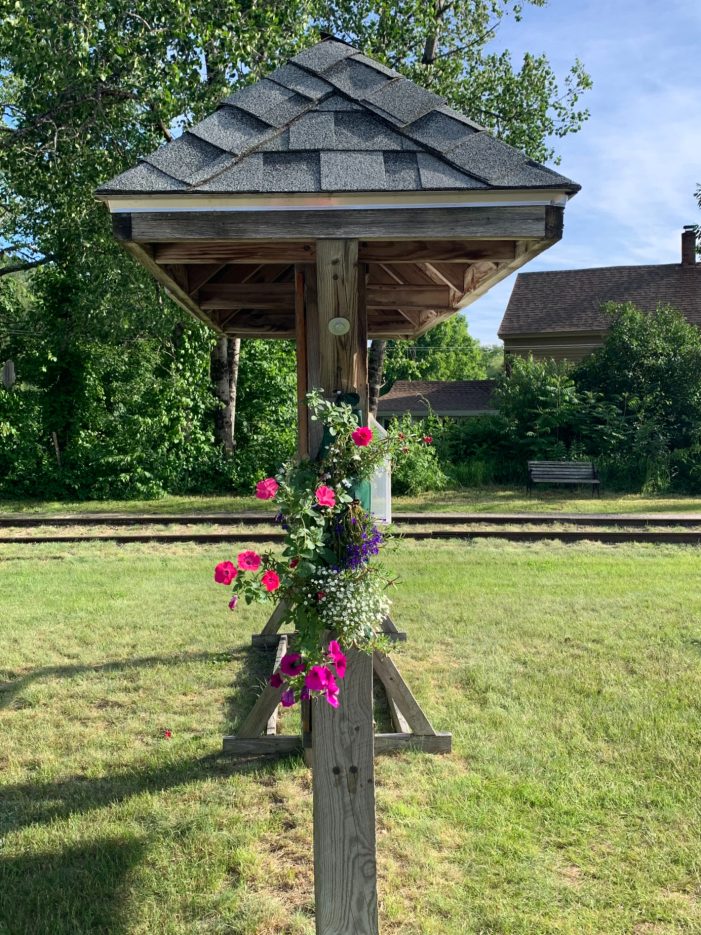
(638, 157)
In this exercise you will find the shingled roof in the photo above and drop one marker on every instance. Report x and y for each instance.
(571, 300)
(333, 120)
(442, 398)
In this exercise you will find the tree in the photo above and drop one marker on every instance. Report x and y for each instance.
(446, 352)
(87, 88)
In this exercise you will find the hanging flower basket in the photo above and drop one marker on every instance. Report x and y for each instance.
(330, 577)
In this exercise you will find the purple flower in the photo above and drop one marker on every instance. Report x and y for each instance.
(287, 698)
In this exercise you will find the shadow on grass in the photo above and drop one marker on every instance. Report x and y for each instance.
(74, 891)
(35, 802)
(254, 663)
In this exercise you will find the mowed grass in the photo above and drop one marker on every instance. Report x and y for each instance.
(569, 675)
(464, 500)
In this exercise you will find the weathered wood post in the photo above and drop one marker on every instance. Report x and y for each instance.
(342, 739)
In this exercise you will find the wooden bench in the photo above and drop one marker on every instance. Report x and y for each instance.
(563, 472)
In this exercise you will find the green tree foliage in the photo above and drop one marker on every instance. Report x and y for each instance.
(446, 352)
(112, 367)
(650, 369)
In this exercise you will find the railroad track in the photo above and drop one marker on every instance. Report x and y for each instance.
(24, 520)
(611, 536)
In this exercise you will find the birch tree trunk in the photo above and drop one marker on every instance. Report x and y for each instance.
(376, 366)
(224, 367)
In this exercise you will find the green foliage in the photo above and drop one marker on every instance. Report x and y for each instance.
(446, 352)
(417, 469)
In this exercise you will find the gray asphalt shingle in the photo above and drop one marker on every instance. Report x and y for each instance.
(499, 164)
(188, 157)
(352, 171)
(270, 101)
(296, 79)
(232, 129)
(145, 177)
(313, 131)
(364, 131)
(404, 101)
(291, 172)
(401, 172)
(323, 55)
(436, 174)
(438, 131)
(355, 79)
(331, 119)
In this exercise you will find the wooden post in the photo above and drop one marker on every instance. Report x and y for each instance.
(345, 874)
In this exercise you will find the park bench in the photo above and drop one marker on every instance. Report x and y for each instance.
(563, 472)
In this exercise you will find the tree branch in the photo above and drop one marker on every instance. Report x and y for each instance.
(22, 267)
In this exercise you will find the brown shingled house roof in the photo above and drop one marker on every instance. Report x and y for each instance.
(571, 300)
(453, 398)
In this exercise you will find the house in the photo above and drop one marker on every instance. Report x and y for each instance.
(559, 314)
(419, 398)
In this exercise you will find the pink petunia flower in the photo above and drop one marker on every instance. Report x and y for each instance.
(249, 560)
(266, 489)
(294, 563)
(338, 658)
(270, 580)
(168, 734)
(332, 699)
(362, 436)
(233, 602)
(325, 496)
(225, 572)
(287, 698)
(291, 664)
(276, 680)
(317, 678)
(427, 439)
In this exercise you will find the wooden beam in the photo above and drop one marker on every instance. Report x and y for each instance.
(201, 275)
(396, 688)
(301, 347)
(271, 726)
(493, 222)
(435, 251)
(141, 252)
(291, 744)
(408, 297)
(223, 251)
(275, 295)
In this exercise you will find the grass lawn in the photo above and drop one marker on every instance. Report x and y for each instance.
(570, 676)
(466, 500)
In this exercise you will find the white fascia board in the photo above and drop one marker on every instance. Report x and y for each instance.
(320, 202)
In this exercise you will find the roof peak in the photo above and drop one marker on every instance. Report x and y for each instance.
(331, 119)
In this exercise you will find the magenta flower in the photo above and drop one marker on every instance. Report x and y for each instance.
(266, 489)
(276, 680)
(291, 664)
(225, 572)
(338, 658)
(270, 581)
(427, 439)
(233, 602)
(332, 698)
(325, 496)
(287, 698)
(317, 678)
(304, 695)
(249, 561)
(362, 436)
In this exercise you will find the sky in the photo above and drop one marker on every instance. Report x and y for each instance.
(638, 157)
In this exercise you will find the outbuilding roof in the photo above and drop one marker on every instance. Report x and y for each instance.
(572, 300)
(442, 398)
(334, 120)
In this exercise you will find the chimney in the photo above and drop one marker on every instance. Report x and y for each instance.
(689, 245)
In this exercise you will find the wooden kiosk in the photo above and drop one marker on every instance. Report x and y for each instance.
(335, 188)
